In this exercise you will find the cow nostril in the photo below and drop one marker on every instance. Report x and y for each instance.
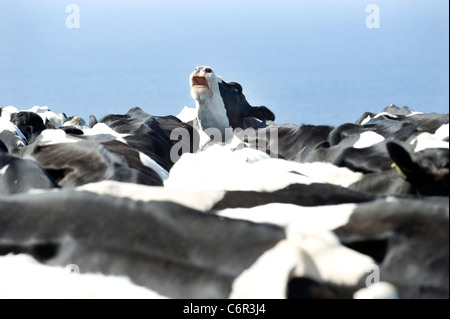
(208, 70)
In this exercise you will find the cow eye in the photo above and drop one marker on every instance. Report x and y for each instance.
(236, 90)
(208, 70)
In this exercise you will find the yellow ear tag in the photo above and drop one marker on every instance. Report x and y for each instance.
(399, 171)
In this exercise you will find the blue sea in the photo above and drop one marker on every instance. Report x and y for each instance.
(315, 62)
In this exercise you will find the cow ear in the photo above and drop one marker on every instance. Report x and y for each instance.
(262, 113)
(403, 162)
(92, 121)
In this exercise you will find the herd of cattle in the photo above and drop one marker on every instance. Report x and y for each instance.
(355, 211)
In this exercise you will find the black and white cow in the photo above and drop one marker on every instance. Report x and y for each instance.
(29, 123)
(152, 135)
(73, 161)
(409, 239)
(10, 135)
(221, 105)
(418, 167)
(50, 119)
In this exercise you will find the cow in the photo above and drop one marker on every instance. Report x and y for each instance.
(222, 105)
(406, 237)
(409, 240)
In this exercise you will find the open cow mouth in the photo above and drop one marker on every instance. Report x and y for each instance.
(200, 82)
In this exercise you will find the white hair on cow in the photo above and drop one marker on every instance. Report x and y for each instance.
(102, 128)
(22, 277)
(427, 140)
(442, 133)
(3, 170)
(326, 217)
(6, 125)
(202, 200)
(187, 114)
(50, 137)
(44, 112)
(7, 111)
(151, 163)
(210, 107)
(249, 169)
(316, 255)
(335, 263)
(378, 290)
(206, 170)
(368, 139)
(268, 277)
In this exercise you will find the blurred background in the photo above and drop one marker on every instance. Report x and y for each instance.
(312, 62)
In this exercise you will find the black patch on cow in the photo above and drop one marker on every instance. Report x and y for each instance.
(29, 123)
(289, 141)
(305, 288)
(146, 175)
(42, 252)
(151, 135)
(386, 182)
(297, 194)
(238, 108)
(429, 122)
(72, 130)
(59, 174)
(375, 248)
(3, 147)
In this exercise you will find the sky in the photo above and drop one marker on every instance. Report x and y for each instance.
(317, 62)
